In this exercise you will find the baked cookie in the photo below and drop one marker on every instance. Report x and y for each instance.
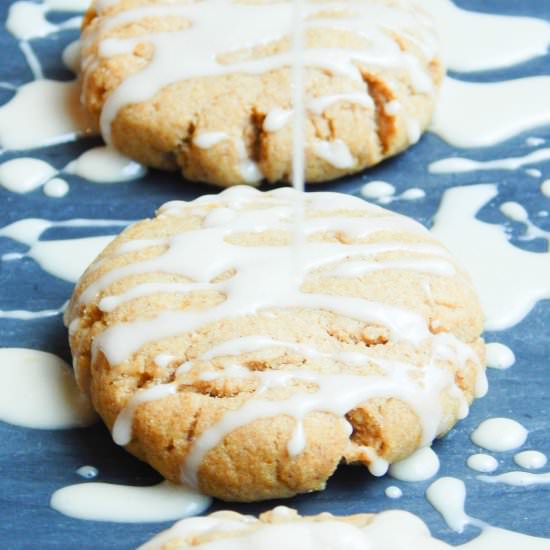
(284, 528)
(235, 362)
(205, 87)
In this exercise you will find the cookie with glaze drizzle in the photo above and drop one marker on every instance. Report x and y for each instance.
(232, 362)
(393, 530)
(205, 87)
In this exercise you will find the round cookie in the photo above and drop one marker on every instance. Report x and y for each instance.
(231, 360)
(205, 87)
(393, 530)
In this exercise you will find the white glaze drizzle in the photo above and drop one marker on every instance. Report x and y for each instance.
(23, 175)
(493, 41)
(336, 153)
(53, 255)
(499, 434)
(25, 315)
(99, 165)
(210, 20)
(87, 472)
(27, 20)
(393, 492)
(67, 5)
(499, 356)
(56, 188)
(32, 60)
(360, 267)
(512, 282)
(518, 479)
(503, 539)
(482, 463)
(42, 113)
(206, 140)
(447, 495)
(420, 466)
(38, 391)
(319, 253)
(337, 394)
(411, 194)
(533, 172)
(105, 165)
(470, 114)
(391, 530)
(530, 460)
(273, 267)
(320, 104)
(534, 141)
(457, 165)
(391, 108)
(384, 192)
(298, 169)
(545, 188)
(71, 56)
(110, 303)
(516, 212)
(162, 360)
(414, 130)
(98, 501)
(278, 118)
(270, 264)
(377, 189)
(250, 170)
(298, 406)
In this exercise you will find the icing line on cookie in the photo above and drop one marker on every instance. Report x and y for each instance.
(271, 24)
(244, 210)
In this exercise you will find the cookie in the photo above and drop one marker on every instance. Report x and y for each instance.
(393, 530)
(234, 361)
(205, 87)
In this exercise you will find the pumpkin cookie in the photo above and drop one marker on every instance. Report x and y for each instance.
(240, 363)
(205, 87)
(393, 530)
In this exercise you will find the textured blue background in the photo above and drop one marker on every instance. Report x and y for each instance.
(35, 463)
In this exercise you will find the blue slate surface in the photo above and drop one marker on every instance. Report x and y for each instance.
(35, 463)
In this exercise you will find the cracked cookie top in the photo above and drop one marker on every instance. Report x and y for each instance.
(236, 362)
(205, 87)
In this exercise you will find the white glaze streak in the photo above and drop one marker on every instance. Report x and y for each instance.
(234, 212)
(470, 114)
(63, 258)
(499, 434)
(456, 165)
(493, 41)
(420, 466)
(482, 463)
(38, 391)
(97, 501)
(518, 479)
(209, 21)
(512, 282)
(105, 165)
(43, 113)
(391, 530)
(530, 460)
